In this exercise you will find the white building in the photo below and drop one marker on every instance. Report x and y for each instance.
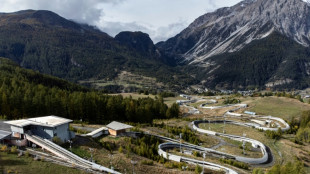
(45, 127)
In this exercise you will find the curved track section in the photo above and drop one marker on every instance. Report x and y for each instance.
(266, 158)
(212, 166)
(254, 143)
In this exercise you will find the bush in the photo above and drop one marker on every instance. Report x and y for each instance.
(274, 134)
(57, 140)
(231, 101)
(258, 171)
(196, 154)
(235, 163)
(198, 169)
(120, 149)
(13, 149)
(171, 165)
(147, 162)
(4, 148)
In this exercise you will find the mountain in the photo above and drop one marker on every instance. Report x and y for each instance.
(231, 47)
(48, 43)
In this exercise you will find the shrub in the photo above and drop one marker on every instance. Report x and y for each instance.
(57, 140)
(14, 149)
(196, 154)
(198, 169)
(147, 162)
(4, 148)
(120, 149)
(171, 165)
(258, 171)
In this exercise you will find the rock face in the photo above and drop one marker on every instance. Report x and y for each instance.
(232, 28)
(140, 42)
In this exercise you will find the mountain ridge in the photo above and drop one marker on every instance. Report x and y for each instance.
(229, 29)
(44, 41)
(216, 43)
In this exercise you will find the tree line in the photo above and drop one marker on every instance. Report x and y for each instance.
(22, 97)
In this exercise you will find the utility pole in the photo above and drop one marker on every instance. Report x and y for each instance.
(111, 156)
(133, 165)
(224, 125)
(180, 142)
(91, 154)
(209, 124)
(204, 121)
(204, 160)
(243, 144)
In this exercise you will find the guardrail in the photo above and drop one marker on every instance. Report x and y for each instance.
(254, 143)
(66, 155)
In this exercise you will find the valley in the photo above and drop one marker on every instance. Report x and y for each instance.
(228, 93)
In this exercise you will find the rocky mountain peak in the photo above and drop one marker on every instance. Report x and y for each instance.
(229, 29)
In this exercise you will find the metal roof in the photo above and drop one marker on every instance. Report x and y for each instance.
(118, 126)
(48, 121)
(4, 126)
(4, 134)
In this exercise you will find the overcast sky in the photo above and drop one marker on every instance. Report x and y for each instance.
(161, 19)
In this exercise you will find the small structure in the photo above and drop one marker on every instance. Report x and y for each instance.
(117, 128)
(45, 127)
(98, 132)
(249, 113)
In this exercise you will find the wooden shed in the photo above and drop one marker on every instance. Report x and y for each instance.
(117, 128)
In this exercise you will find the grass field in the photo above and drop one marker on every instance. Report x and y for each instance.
(278, 106)
(11, 163)
(275, 146)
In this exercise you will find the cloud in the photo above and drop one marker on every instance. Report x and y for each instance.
(85, 11)
(163, 33)
(113, 28)
(161, 19)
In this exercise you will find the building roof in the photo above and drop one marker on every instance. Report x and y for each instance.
(118, 126)
(48, 121)
(4, 134)
(4, 126)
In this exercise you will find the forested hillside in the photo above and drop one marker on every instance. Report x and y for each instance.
(25, 93)
(50, 44)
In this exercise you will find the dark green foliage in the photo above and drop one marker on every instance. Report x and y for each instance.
(274, 134)
(166, 94)
(209, 93)
(146, 146)
(147, 162)
(198, 169)
(187, 134)
(297, 168)
(24, 93)
(303, 133)
(108, 145)
(258, 171)
(235, 163)
(80, 152)
(50, 44)
(196, 154)
(231, 101)
(173, 111)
